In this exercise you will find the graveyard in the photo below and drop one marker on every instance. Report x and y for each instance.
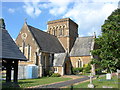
(100, 82)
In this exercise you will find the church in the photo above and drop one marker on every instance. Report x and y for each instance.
(59, 49)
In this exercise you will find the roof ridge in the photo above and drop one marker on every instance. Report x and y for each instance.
(41, 30)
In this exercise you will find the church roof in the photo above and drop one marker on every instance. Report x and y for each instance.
(82, 46)
(8, 48)
(46, 42)
(59, 59)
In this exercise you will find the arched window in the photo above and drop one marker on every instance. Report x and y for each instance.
(50, 31)
(60, 31)
(53, 31)
(36, 58)
(23, 47)
(63, 30)
(79, 63)
(27, 52)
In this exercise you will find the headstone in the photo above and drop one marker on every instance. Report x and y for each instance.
(108, 76)
(90, 85)
(118, 73)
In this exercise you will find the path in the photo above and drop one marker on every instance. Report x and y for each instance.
(66, 83)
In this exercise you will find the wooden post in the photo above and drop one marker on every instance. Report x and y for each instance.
(15, 71)
(8, 71)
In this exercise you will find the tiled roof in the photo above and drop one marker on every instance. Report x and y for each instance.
(46, 42)
(59, 59)
(82, 46)
(9, 48)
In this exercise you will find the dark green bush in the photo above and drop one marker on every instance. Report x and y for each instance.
(98, 71)
(55, 75)
(50, 73)
(77, 70)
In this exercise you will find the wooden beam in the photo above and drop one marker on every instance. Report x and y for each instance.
(15, 71)
(8, 71)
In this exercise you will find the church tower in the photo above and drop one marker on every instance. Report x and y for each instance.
(65, 30)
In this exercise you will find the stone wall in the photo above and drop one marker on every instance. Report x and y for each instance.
(84, 59)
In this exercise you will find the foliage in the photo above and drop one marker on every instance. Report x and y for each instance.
(77, 70)
(86, 68)
(98, 70)
(50, 73)
(55, 75)
(108, 43)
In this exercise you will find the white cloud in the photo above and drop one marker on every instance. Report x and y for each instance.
(90, 16)
(32, 8)
(58, 7)
(11, 10)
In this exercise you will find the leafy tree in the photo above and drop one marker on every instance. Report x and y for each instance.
(108, 44)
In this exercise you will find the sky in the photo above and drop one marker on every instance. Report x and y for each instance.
(88, 14)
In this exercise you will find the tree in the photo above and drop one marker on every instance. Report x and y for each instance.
(108, 43)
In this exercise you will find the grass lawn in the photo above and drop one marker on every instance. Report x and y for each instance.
(99, 82)
(40, 81)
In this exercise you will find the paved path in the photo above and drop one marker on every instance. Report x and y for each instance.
(66, 83)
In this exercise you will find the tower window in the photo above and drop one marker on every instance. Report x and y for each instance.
(60, 30)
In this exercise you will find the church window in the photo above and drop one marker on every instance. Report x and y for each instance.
(56, 31)
(55, 69)
(23, 47)
(29, 52)
(60, 30)
(79, 63)
(36, 58)
(53, 31)
(63, 30)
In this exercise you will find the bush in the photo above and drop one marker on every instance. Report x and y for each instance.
(77, 70)
(87, 68)
(55, 75)
(50, 73)
(98, 70)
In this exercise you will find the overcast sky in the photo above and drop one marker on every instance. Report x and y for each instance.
(88, 14)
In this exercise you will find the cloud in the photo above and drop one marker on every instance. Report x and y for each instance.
(58, 7)
(90, 15)
(32, 9)
(11, 10)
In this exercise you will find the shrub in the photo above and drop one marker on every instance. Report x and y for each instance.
(77, 70)
(98, 70)
(55, 75)
(87, 68)
(50, 73)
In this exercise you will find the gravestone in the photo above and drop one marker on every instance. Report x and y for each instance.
(90, 85)
(118, 73)
(108, 76)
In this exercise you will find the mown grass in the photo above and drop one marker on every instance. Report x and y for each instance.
(40, 81)
(100, 82)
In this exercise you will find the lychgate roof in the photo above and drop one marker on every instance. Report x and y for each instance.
(59, 59)
(82, 46)
(46, 42)
(8, 47)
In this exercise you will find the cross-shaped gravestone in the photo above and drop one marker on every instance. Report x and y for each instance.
(90, 85)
